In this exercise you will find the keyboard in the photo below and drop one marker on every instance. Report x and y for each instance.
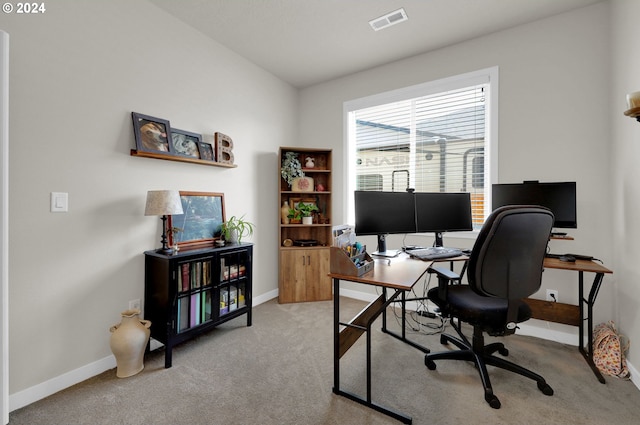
(434, 253)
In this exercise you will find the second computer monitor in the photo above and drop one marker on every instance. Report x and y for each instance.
(440, 212)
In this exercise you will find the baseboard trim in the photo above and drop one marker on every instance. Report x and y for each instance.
(45, 389)
(59, 383)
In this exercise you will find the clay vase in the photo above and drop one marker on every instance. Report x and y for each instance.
(128, 342)
(284, 212)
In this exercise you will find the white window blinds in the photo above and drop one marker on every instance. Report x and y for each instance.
(432, 143)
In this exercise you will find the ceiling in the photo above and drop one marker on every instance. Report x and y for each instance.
(305, 42)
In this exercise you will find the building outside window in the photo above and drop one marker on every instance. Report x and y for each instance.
(435, 137)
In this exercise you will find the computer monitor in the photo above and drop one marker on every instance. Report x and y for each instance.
(440, 212)
(559, 197)
(384, 213)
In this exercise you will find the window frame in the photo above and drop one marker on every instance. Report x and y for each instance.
(487, 75)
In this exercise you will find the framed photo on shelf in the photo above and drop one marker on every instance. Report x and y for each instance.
(185, 143)
(151, 133)
(206, 151)
(294, 202)
(201, 223)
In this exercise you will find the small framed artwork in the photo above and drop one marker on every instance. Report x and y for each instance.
(206, 151)
(185, 143)
(151, 133)
(306, 201)
(201, 223)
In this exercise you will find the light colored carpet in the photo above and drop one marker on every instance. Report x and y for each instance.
(280, 371)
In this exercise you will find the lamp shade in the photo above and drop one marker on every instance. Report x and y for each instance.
(163, 202)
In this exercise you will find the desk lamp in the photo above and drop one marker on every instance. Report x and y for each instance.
(163, 203)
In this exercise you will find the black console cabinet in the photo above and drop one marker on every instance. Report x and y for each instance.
(192, 292)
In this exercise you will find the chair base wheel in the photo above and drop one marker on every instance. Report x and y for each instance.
(545, 388)
(430, 364)
(492, 400)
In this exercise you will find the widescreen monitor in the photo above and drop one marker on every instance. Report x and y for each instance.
(559, 197)
(383, 213)
(440, 212)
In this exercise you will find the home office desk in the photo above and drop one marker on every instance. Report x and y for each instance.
(574, 315)
(541, 309)
(398, 274)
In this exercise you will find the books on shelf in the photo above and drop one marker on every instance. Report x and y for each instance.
(194, 275)
(183, 314)
(224, 301)
(195, 304)
(233, 298)
(195, 319)
(206, 306)
(241, 300)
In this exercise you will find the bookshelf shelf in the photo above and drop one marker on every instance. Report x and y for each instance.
(191, 292)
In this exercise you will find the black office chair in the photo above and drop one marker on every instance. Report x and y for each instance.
(505, 266)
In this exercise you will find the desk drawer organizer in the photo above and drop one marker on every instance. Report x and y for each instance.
(356, 265)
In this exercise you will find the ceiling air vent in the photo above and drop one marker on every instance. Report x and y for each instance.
(389, 19)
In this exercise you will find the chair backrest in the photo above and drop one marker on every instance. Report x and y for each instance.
(508, 255)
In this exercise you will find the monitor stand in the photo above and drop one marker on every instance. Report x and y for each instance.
(382, 248)
(439, 240)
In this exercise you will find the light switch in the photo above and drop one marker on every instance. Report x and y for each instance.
(59, 202)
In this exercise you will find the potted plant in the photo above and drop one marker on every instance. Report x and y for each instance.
(307, 211)
(295, 216)
(236, 228)
(291, 167)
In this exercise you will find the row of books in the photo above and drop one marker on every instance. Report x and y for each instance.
(231, 299)
(197, 274)
(194, 275)
(231, 271)
(196, 308)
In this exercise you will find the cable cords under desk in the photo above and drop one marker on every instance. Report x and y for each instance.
(421, 314)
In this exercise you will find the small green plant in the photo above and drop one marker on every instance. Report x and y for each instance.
(294, 214)
(291, 167)
(307, 209)
(237, 228)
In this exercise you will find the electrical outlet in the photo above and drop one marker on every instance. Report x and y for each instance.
(552, 295)
(135, 304)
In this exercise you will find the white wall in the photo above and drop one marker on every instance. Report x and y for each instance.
(77, 72)
(553, 123)
(625, 143)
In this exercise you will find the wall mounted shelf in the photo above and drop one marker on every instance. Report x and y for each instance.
(167, 157)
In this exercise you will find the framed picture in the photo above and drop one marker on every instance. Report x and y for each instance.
(295, 201)
(206, 151)
(185, 143)
(151, 133)
(200, 224)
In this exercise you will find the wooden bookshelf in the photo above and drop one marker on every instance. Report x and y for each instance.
(304, 256)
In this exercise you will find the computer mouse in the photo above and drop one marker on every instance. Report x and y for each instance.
(567, 258)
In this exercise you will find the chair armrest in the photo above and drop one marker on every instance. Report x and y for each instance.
(444, 273)
(444, 277)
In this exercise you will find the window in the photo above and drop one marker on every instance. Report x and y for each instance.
(435, 137)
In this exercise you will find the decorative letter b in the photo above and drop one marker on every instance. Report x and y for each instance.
(224, 148)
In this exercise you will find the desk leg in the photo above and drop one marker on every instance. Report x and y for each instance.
(336, 336)
(336, 359)
(587, 352)
(403, 336)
